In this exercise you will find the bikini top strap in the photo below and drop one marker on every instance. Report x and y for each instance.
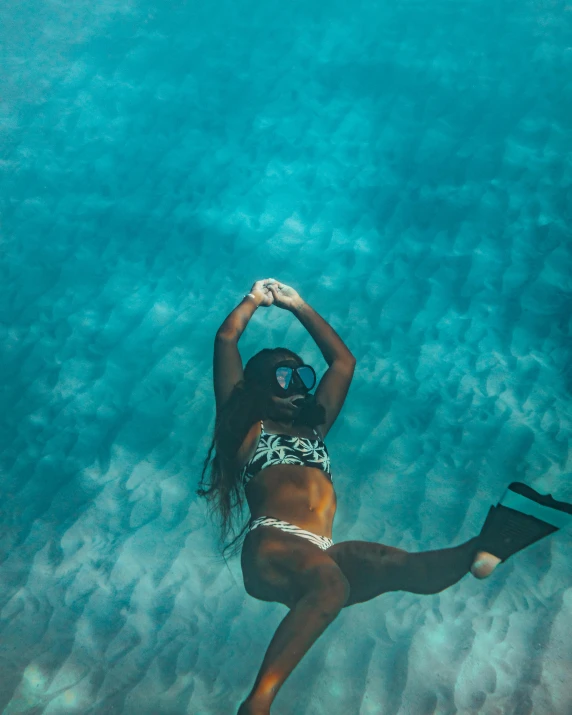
(313, 429)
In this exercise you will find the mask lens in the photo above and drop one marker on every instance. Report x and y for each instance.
(283, 376)
(307, 376)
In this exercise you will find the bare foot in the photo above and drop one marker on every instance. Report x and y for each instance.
(484, 564)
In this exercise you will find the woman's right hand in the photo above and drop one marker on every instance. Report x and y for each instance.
(263, 295)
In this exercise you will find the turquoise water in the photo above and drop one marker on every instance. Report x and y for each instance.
(406, 167)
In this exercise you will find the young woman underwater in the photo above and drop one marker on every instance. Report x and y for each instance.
(269, 440)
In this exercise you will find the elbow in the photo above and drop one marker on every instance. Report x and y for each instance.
(226, 335)
(347, 362)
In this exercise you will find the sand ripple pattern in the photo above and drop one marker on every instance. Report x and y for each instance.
(407, 167)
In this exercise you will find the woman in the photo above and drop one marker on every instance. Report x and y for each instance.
(269, 440)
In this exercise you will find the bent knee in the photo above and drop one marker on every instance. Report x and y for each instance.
(331, 591)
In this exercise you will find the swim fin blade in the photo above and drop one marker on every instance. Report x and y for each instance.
(521, 518)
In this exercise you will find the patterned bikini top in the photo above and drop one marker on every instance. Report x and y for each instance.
(286, 449)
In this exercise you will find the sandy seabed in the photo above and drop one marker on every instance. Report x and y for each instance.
(406, 166)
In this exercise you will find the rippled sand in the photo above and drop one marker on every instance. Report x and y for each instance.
(406, 166)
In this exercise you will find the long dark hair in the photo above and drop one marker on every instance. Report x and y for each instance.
(247, 404)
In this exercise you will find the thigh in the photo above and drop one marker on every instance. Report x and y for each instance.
(371, 569)
(281, 567)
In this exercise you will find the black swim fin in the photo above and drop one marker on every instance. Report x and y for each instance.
(522, 517)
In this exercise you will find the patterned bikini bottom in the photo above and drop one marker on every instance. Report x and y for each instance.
(322, 542)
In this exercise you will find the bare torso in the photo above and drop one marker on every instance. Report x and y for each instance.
(300, 495)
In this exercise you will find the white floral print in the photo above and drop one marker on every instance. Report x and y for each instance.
(285, 449)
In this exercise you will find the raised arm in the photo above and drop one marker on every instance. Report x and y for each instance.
(334, 385)
(227, 363)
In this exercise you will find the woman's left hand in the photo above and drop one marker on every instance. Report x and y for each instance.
(285, 296)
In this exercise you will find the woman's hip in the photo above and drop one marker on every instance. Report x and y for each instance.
(280, 564)
(322, 542)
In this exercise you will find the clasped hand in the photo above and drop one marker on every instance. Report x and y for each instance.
(271, 292)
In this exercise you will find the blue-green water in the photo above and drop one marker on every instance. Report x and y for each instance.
(406, 167)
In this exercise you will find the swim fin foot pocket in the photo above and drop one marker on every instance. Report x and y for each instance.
(522, 517)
